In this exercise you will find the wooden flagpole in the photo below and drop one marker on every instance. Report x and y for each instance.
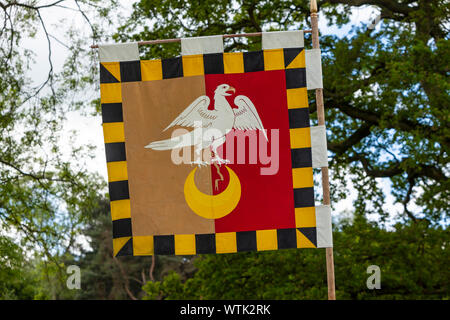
(325, 175)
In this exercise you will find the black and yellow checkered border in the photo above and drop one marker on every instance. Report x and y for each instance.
(292, 60)
(301, 154)
(225, 242)
(116, 160)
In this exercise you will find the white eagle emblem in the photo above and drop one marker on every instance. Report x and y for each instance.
(211, 124)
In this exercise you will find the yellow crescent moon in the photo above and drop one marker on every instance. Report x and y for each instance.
(212, 206)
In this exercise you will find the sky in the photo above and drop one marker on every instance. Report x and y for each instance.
(89, 129)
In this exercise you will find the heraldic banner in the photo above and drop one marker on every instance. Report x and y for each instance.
(213, 152)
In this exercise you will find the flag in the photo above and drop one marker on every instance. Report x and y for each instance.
(213, 152)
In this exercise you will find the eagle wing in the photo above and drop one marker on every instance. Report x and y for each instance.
(195, 115)
(246, 116)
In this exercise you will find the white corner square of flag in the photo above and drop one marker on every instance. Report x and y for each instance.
(313, 69)
(323, 225)
(119, 52)
(201, 45)
(319, 147)
(282, 39)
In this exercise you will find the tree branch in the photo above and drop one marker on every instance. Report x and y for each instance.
(28, 6)
(125, 279)
(399, 123)
(407, 199)
(390, 5)
(251, 14)
(397, 167)
(152, 268)
(36, 177)
(341, 147)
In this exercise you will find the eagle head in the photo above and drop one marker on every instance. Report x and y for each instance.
(222, 90)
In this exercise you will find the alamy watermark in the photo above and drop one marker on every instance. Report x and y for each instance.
(374, 280)
(242, 147)
(74, 280)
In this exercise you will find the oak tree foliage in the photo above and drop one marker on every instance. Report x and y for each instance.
(387, 104)
(46, 190)
(386, 90)
(386, 98)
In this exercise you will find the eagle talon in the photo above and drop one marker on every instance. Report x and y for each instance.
(220, 160)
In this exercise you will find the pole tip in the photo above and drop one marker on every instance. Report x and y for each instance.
(313, 6)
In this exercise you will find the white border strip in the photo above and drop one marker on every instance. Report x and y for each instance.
(118, 52)
(319, 147)
(201, 45)
(323, 227)
(282, 39)
(313, 69)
